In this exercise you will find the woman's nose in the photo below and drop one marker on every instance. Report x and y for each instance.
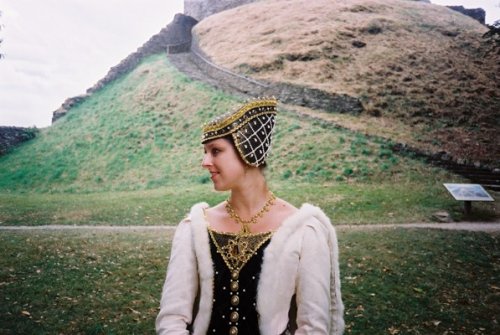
(206, 162)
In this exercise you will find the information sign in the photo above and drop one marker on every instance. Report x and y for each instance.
(468, 192)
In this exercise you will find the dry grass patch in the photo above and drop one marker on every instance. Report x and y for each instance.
(419, 63)
(384, 127)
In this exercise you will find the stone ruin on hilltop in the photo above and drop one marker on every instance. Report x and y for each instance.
(177, 36)
(200, 9)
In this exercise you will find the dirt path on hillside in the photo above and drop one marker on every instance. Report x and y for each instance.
(489, 227)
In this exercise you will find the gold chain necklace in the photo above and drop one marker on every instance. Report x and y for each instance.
(253, 220)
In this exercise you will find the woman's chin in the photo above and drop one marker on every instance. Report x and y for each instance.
(221, 188)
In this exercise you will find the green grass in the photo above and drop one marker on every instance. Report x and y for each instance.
(142, 132)
(130, 154)
(393, 281)
(69, 283)
(345, 203)
(421, 282)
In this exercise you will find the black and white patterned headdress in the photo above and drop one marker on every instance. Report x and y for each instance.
(251, 127)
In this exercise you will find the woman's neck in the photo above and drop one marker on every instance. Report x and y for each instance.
(249, 198)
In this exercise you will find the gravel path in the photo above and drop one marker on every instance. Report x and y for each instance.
(491, 227)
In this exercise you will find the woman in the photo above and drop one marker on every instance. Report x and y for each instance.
(253, 264)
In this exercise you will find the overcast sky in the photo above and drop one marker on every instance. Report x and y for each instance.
(56, 49)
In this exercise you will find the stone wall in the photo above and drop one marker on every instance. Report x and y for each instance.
(317, 99)
(477, 14)
(227, 80)
(200, 9)
(175, 37)
(11, 137)
(285, 92)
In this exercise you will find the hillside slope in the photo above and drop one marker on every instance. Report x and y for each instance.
(143, 131)
(420, 64)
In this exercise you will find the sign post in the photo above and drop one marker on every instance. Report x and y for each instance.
(468, 193)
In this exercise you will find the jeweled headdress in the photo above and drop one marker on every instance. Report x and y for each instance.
(251, 127)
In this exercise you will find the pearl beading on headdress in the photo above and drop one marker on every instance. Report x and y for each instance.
(251, 127)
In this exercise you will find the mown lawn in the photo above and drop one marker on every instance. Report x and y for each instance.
(398, 281)
(403, 201)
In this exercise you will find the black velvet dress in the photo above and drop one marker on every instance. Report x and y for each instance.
(237, 265)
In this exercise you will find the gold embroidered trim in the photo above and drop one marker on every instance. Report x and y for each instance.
(225, 120)
(237, 249)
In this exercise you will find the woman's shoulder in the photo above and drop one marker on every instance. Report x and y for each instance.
(216, 210)
(308, 215)
(215, 217)
(195, 214)
(283, 210)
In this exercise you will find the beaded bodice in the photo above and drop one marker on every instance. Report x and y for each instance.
(237, 262)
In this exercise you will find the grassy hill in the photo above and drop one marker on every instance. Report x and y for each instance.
(423, 69)
(139, 132)
(131, 154)
(143, 131)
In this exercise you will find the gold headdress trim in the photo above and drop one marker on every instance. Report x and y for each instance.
(225, 120)
(214, 134)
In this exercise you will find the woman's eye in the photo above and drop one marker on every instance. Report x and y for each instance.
(215, 151)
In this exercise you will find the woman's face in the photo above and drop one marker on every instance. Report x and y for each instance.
(225, 166)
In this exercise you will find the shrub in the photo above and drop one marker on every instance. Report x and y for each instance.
(287, 174)
(348, 172)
